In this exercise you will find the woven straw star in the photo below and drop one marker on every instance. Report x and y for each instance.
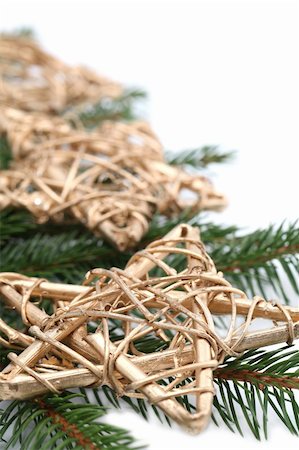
(94, 335)
(112, 179)
(33, 80)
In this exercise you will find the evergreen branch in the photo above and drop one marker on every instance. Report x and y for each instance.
(259, 380)
(52, 251)
(121, 108)
(258, 260)
(258, 377)
(3, 354)
(20, 32)
(106, 395)
(5, 153)
(260, 247)
(199, 157)
(16, 222)
(67, 255)
(277, 367)
(251, 262)
(60, 422)
(210, 232)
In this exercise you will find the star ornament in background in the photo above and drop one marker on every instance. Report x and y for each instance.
(93, 337)
(33, 80)
(112, 180)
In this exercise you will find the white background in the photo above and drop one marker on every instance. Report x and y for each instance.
(217, 72)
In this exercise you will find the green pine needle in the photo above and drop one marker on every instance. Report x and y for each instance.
(250, 386)
(122, 108)
(252, 262)
(200, 157)
(259, 260)
(5, 153)
(66, 421)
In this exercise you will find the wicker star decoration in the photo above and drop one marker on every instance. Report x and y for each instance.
(112, 179)
(93, 336)
(33, 80)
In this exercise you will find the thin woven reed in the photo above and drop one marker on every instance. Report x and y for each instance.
(148, 299)
(112, 179)
(33, 80)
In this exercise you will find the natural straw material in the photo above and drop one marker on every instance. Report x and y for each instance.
(33, 80)
(77, 345)
(112, 179)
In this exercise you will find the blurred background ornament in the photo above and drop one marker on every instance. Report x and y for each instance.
(111, 179)
(33, 80)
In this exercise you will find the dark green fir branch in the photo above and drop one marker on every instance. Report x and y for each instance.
(65, 256)
(5, 153)
(22, 32)
(200, 158)
(253, 262)
(248, 388)
(121, 108)
(61, 422)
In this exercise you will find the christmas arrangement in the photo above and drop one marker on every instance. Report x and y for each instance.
(113, 284)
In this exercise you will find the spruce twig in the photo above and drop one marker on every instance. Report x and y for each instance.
(200, 157)
(112, 109)
(60, 422)
(257, 382)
